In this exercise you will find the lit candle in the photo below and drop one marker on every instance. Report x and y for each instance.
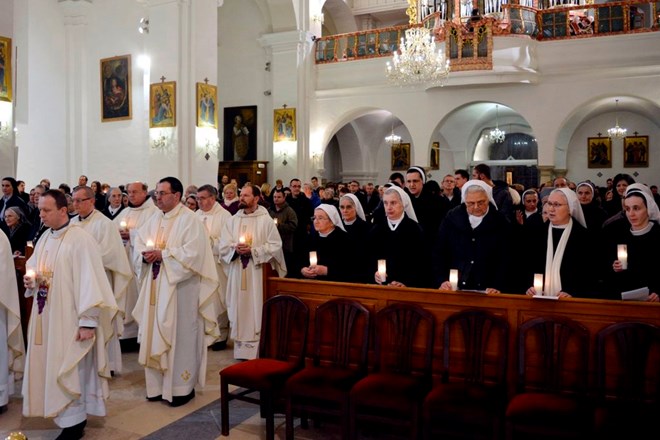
(313, 259)
(241, 239)
(382, 269)
(622, 255)
(123, 225)
(275, 221)
(453, 279)
(32, 275)
(150, 245)
(29, 244)
(538, 283)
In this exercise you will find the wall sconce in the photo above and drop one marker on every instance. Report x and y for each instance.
(318, 18)
(144, 26)
(283, 148)
(209, 144)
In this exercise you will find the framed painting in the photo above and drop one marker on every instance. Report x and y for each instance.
(5, 69)
(400, 157)
(116, 88)
(434, 160)
(635, 151)
(599, 152)
(284, 124)
(162, 104)
(207, 105)
(240, 133)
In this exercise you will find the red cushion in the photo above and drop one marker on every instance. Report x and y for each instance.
(387, 390)
(258, 373)
(324, 382)
(458, 397)
(544, 408)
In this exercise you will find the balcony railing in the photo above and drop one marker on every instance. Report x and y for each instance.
(469, 44)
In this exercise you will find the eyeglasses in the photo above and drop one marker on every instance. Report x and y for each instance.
(81, 200)
(480, 204)
(325, 219)
(162, 193)
(555, 204)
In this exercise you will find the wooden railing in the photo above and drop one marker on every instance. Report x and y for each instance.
(516, 309)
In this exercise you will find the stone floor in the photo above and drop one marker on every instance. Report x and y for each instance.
(130, 416)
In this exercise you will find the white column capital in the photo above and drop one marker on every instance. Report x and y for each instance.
(285, 40)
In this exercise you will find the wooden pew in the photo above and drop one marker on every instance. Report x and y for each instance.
(593, 314)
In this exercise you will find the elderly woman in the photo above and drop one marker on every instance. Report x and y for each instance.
(564, 252)
(642, 241)
(475, 239)
(17, 229)
(594, 215)
(399, 240)
(332, 248)
(230, 200)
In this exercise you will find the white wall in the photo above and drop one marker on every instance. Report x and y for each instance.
(7, 152)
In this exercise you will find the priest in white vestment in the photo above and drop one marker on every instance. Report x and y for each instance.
(176, 310)
(249, 241)
(12, 348)
(116, 263)
(140, 208)
(214, 217)
(70, 324)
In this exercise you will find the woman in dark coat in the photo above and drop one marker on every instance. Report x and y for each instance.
(354, 220)
(564, 252)
(332, 247)
(620, 182)
(399, 240)
(99, 197)
(17, 229)
(642, 242)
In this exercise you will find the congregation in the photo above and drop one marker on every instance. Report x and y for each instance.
(124, 262)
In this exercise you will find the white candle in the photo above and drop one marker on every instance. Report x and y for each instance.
(30, 273)
(123, 225)
(538, 283)
(622, 255)
(29, 244)
(241, 239)
(453, 279)
(313, 259)
(382, 269)
(275, 221)
(150, 245)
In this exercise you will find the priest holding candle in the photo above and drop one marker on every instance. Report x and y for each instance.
(248, 241)
(66, 370)
(177, 307)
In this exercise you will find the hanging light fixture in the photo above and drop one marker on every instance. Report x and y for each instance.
(417, 61)
(496, 135)
(392, 138)
(616, 131)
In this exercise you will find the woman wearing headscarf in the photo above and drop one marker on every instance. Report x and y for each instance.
(17, 229)
(399, 240)
(332, 246)
(354, 220)
(594, 215)
(474, 239)
(564, 252)
(642, 242)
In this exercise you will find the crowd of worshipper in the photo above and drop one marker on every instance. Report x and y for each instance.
(496, 236)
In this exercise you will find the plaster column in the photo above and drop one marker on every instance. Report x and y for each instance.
(76, 146)
(545, 173)
(182, 47)
(290, 54)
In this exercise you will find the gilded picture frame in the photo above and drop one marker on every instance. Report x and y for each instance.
(599, 152)
(434, 160)
(5, 69)
(284, 124)
(207, 105)
(116, 88)
(400, 157)
(162, 104)
(636, 152)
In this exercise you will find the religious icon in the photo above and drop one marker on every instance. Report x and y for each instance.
(284, 124)
(5, 69)
(116, 88)
(635, 151)
(435, 156)
(240, 129)
(599, 152)
(162, 104)
(207, 105)
(400, 157)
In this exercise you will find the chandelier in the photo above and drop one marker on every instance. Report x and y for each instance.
(496, 135)
(616, 131)
(392, 138)
(417, 61)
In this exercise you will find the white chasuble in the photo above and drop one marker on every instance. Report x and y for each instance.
(133, 218)
(12, 348)
(177, 309)
(78, 294)
(245, 281)
(118, 270)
